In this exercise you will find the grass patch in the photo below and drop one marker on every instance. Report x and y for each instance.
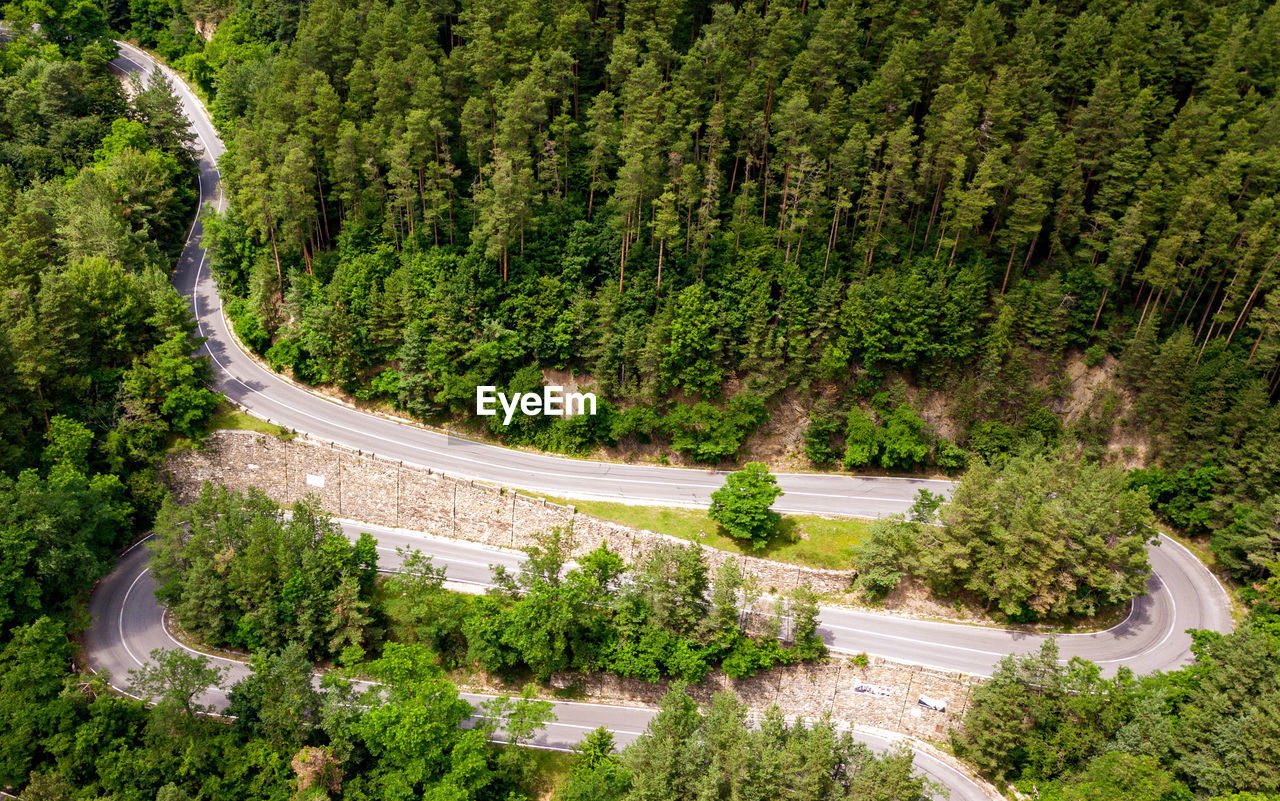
(550, 770)
(807, 540)
(227, 417)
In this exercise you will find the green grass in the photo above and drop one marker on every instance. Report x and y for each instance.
(828, 542)
(551, 769)
(228, 417)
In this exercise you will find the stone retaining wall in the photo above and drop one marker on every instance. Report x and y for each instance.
(811, 690)
(361, 487)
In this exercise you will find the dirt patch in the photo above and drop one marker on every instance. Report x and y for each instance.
(1130, 450)
(1098, 392)
(779, 441)
(206, 28)
(1086, 383)
(633, 451)
(935, 411)
(915, 600)
(567, 379)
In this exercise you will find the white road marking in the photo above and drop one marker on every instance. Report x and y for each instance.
(124, 604)
(219, 202)
(1173, 622)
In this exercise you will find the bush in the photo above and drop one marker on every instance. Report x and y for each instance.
(640, 422)
(950, 457)
(1183, 498)
(285, 353)
(581, 433)
(248, 325)
(708, 434)
(862, 440)
(1040, 423)
(905, 447)
(992, 439)
(1095, 355)
(819, 437)
(883, 559)
(385, 384)
(748, 657)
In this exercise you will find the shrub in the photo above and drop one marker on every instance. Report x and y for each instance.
(950, 457)
(1095, 355)
(819, 437)
(709, 434)
(904, 443)
(862, 439)
(742, 504)
(248, 325)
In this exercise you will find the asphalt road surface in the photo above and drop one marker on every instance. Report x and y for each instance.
(1182, 594)
(267, 395)
(129, 624)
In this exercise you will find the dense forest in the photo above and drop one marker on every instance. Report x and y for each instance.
(686, 756)
(911, 221)
(1208, 730)
(1044, 536)
(908, 220)
(96, 186)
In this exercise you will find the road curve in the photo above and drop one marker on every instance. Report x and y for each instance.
(1182, 593)
(128, 624)
(265, 394)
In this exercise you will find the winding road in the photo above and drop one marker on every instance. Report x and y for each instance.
(129, 625)
(1182, 593)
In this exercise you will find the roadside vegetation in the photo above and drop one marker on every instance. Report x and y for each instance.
(227, 417)
(1041, 536)
(908, 224)
(981, 232)
(688, 755)
(981, 229)
(808, 540)
(238, 573)
(742, 505)
(1208, 730)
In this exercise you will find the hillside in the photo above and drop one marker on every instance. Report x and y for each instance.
(919, 251)
(1031, 247)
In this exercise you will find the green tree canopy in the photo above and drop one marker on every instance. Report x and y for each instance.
(1044, 534)
(742, 504)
